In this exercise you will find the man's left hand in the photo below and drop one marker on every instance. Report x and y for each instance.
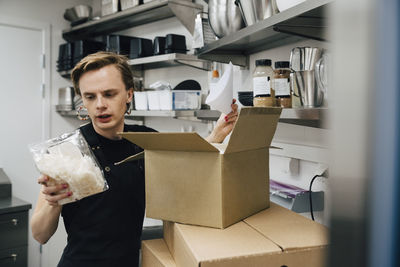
(224, 125)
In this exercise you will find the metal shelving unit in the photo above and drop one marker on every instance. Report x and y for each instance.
(306, 20)
(153, 11)
(169, 60)
(311, 117)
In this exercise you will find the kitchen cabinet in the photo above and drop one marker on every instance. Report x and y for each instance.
(13, 226)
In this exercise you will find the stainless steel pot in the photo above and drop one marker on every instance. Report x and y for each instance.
(224, 17)
(65, 98)
(256, 10)
(78, 12)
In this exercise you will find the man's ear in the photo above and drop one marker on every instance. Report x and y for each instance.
(130, 95)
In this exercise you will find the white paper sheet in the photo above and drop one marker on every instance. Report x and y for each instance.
(221, 93)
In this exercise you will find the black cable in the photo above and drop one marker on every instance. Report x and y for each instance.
(310, 193)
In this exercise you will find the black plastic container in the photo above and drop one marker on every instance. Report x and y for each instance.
(82, 48)
(141, 47)
(119, 44)
(64, 61)
(159, 45)
(175, 43)
(246, 98)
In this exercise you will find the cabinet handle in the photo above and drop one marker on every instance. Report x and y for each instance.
(12, 256)
(13, 221)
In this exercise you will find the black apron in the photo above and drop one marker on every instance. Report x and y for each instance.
(105, 229)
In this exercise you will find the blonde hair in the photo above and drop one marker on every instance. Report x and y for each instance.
(99, 60)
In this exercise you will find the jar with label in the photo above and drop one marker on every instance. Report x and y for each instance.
(263, 92)
(283, 94)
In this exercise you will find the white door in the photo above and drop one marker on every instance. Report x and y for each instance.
(22, 108)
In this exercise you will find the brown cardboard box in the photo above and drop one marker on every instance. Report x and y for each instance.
(189, 180)
(155, 253)
(272, 238)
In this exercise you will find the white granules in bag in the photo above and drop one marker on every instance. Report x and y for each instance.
(66, 164)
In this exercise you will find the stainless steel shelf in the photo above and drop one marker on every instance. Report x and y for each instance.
(209, 115)
(155, 10)
(70, 113)
(162, 113)
(311, 117)
(306, 20)
(204, 114)
(168, 60)
(161, 61)
(65, 73)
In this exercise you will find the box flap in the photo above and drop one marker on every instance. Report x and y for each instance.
(155, 253)
(137, 156)
(295, 231)
(169, 141)
(255, 128)
(238, 240)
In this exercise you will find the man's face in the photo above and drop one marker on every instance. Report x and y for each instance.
(105, 97)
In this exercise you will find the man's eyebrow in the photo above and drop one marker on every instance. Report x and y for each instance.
(110, 90)
(87, 93)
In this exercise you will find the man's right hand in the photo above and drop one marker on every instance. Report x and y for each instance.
(53, 193)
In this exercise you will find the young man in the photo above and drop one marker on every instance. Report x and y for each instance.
(105, 229)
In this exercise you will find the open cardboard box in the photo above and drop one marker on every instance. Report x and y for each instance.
(189, 180)
(274, 237)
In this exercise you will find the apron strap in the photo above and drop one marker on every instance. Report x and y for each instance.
(94, 143)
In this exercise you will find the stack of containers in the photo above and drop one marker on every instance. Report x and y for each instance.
(64, 61)
(214, 200)
(185, 96)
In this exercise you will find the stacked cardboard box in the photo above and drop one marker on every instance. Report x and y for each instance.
(274, 237)
(197, 187)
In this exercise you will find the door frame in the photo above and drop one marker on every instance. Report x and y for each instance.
(45, 30)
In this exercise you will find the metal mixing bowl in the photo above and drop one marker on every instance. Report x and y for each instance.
(254, 11)
(224, 17)
(78, 12)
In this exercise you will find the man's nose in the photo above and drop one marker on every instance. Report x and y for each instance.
(100, 102)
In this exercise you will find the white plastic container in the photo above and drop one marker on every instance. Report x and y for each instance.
(165, 97)
(109, 7)
(141, 102)
(182, 100)
(125, 4)
(282, 5)
(170, 100)
(153, 99)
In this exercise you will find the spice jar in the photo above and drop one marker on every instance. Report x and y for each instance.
(283, 95)
(264, 95)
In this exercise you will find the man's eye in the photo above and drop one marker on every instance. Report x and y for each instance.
(109, 94)
(89, 97)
